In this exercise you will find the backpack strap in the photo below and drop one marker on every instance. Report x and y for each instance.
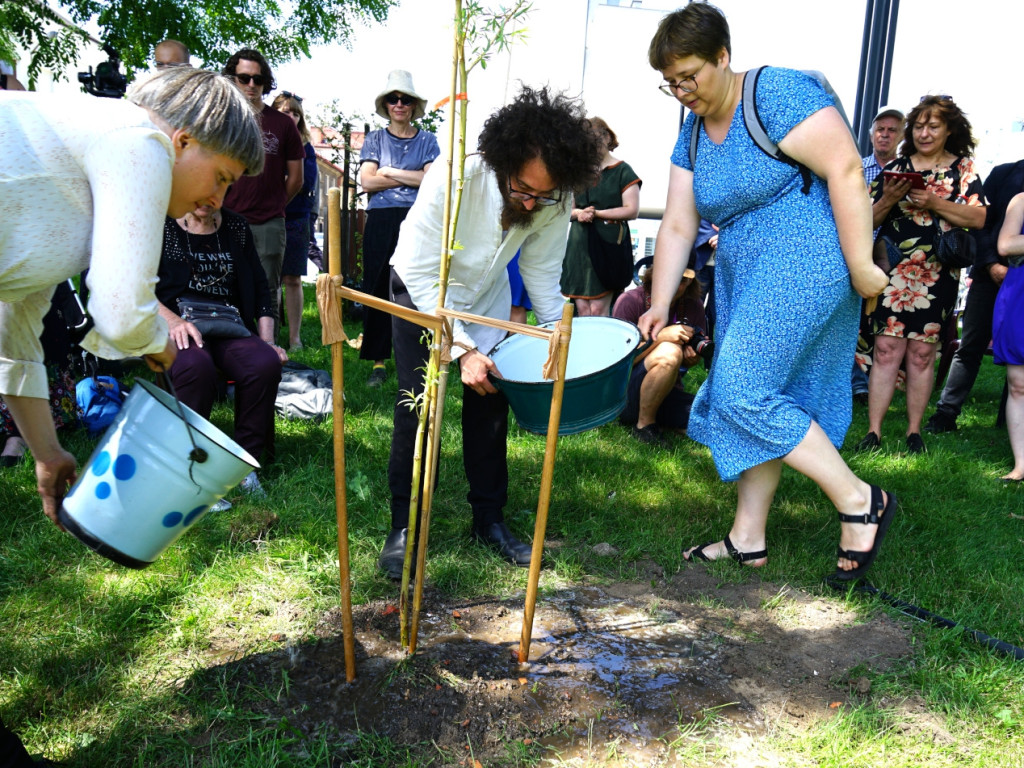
(697, 125)
(758, 133)
(756, 129)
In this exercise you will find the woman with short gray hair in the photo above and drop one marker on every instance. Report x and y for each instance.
(87, 184)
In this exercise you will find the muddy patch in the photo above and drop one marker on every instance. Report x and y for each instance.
(627, 673)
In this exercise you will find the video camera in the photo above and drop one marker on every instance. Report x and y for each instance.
(108, 80)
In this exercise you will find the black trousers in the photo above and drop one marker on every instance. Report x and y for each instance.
(977, 333)
(380, 237)
(12, 751)
(484, 429)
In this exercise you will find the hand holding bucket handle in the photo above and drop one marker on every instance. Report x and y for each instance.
(475, 366)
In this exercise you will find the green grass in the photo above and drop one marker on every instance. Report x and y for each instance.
(101, 666)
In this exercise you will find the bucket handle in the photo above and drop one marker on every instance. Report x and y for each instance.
(197, 455)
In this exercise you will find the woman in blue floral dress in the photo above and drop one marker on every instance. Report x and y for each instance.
(921, 293)
(779, 386)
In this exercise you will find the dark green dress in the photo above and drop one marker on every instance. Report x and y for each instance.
(578, 278)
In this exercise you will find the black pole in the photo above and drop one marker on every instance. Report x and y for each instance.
(875, 66)
(865, 44)
(890, 44)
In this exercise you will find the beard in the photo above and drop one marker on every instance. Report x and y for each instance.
(514, 215)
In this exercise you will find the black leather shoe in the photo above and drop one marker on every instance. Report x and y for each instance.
(498, 537)
(939, 423)
(915, 444)
(392, 556)
(871, 442)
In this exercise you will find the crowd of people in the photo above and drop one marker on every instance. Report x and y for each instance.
(212, 205)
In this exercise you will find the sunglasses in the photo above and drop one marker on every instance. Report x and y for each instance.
(170, 64)
(290, 95)
(399, 98)
(939, 96)
(246, 79)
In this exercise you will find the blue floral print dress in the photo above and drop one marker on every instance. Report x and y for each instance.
(787, 313)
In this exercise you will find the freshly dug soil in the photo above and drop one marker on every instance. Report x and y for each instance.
(629, 673)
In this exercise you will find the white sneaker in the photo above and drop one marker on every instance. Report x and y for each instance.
(250, 485)
(221, 506)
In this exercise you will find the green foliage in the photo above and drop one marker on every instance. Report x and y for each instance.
(26, 25)
(212, 29)
(490, 31)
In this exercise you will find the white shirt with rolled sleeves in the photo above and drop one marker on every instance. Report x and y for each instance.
(478, 282)
(84, 182)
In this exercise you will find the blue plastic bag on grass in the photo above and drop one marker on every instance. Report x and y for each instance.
(100, 398)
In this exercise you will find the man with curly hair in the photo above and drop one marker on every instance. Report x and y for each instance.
(516, 196)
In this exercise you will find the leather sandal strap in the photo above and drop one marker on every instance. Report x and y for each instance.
(872, 517)
(850, 554)
(742, 557)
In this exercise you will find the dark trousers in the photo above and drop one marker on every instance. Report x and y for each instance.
(255, 369)
(380, 237)
(977, 333)
(12, 751)
(484, 430)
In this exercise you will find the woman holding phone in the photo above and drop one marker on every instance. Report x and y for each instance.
(921, 293)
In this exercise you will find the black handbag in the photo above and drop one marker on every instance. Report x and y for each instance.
(955, 249)
(213, 319)
(611, 254)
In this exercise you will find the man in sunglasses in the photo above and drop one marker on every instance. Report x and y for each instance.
(516, 196)
(262, 199)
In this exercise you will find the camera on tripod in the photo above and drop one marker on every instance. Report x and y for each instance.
(107, 80)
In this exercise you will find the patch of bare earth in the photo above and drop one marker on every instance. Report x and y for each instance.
(631, 673)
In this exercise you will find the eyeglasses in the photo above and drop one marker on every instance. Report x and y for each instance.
(399, 98)
(669, 89)
(170, 64)
(290, 95)
(939, 96)
(245, 79)
(515, 194)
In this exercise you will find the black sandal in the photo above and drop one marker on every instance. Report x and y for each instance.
(880, 514)
(735, 554)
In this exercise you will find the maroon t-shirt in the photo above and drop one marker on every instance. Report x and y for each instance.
(631, 304)
(262, 198)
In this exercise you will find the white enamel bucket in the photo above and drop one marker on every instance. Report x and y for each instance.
(145, 484)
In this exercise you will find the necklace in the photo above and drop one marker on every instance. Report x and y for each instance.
(224, 264)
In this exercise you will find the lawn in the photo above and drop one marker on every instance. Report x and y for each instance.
(98, 663)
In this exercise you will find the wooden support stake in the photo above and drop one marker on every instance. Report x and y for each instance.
(547, 475)
(340, 493)
(432, 454)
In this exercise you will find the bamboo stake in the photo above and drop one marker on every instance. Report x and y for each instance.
(433, 451)
(550, 448)
(340, 493)
(434, 369)
(435, 384)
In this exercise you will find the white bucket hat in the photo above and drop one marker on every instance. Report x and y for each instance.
(401, 81)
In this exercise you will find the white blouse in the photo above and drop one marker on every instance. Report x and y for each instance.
(84, 182)
(478, 282)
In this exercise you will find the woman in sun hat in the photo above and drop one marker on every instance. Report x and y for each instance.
(392, 165)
